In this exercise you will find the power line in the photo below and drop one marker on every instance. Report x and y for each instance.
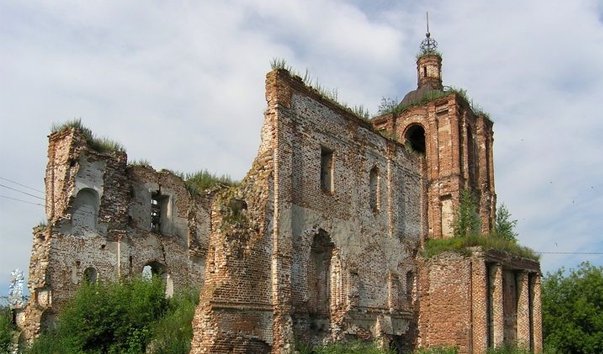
(20, 191)
(20, 200)
(22, 185)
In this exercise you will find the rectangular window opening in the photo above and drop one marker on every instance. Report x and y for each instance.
(159, 212)
(326, 169)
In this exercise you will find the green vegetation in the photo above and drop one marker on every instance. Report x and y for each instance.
(328, 94)
(98, 144)
(437, 350)
(467, 221)
(173, 332)
(504, 226)
(389, 105)
(129, 317)
(7, 329)
(467, 225)
(352, 347)
(141, 162)
(460, 245)
(203, 180)
(572, 312)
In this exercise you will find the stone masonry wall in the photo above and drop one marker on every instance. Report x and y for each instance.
(99, 226)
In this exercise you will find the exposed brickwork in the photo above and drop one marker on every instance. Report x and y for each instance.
(320, 241)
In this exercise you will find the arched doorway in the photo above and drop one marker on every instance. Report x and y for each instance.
(319, 275)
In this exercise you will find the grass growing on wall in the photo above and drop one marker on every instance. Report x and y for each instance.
(203, 180)
(330, 95)
(460, 245)
(96, 143)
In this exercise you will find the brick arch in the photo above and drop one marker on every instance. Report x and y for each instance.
(415, 136)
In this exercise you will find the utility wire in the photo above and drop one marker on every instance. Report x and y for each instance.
(20, 191)
(22, 185)
(20, 200)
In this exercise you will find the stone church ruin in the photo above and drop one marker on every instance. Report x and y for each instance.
(321, 241)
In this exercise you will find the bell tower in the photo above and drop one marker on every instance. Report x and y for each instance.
(453, 139)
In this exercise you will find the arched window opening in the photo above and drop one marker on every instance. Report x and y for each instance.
(153, 269)
(90, 275)
(85, 209)
(374, 185)
(415, 138)
(319, 275)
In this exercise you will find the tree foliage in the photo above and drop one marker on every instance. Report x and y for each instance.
(467, 221)
(572, 309)
(504, 226)
(7, 329)
(107, 318)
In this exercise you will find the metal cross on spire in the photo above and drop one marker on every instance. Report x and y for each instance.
(428, 45)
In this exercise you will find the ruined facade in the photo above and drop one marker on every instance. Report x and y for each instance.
(320, 242)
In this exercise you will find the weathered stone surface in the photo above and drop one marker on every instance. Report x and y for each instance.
(320, 241)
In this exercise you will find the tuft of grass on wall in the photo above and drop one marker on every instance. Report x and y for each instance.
(97, 144)
(203, 180)
(330, 95)
(460, 245)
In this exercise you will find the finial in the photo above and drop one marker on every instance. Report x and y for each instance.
(428, 45)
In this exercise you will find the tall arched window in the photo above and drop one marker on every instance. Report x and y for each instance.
(85, 209)
(319, 275)
(415, 138)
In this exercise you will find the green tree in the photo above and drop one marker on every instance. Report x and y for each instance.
(572, 309)
(505, 226)
(467, 221)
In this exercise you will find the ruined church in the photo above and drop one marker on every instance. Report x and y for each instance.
(321, 241)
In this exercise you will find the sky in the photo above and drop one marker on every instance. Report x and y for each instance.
(181, 85)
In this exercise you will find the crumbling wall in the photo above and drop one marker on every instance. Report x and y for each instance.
(479, 300)
(99, 227)
(312, 259)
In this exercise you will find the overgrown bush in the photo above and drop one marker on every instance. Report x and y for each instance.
(172, 334)
(7, 329)
(107, 318)
(467, 221)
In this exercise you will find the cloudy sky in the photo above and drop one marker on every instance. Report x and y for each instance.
(181, 84)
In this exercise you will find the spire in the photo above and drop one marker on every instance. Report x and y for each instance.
(429, 63)
(428, 45)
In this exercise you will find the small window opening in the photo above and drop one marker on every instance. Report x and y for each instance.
(374, 185)
(90, 275)
(415, 138)
(326, 169)
(424, 71)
